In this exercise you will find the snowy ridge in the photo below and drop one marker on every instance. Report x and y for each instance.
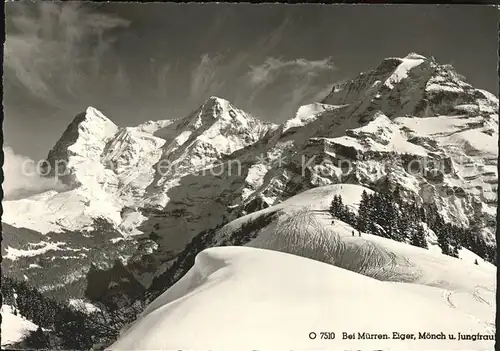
(58, 212)
(277, 300)
(256, 298)
(304, 228)
(306, 114)
(152, 127)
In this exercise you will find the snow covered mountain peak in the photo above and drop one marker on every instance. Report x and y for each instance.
(93, 113)
(415, 56)
(215, 108)
(217, 100)
(213, 131)
(411, 86)
(82, 142)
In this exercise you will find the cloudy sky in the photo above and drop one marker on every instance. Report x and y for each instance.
(137, 62)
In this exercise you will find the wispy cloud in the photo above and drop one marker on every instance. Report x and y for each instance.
(51, 47)
(273, 89)
(207, 78)
(290, 82)
(273, 39)
(217, 74)
(163, 79)
(121, 82)
(270, 70)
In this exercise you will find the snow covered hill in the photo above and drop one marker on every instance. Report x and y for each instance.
(237, 298)
(302, 226)
(140, 194)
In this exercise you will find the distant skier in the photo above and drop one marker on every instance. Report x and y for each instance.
(359, 233)
(333, 221)
(353, 233)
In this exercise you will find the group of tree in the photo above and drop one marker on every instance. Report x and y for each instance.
(65, 328)
(386, 215)
(392, 216)
(62, 326)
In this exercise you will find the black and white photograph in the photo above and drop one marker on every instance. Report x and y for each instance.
(249, 177)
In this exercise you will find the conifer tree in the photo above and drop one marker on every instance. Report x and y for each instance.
(363, 213)
(418, 237)
(336, 206)
(422, 214)
(421, 236)
(444, 239)
(396, 194)
(414, 239)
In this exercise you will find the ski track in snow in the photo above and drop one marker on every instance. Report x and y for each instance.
(307, 233)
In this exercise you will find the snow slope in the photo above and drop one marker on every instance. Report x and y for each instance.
(237, 298)
(301, 226)
(304, 228)
(14, 327)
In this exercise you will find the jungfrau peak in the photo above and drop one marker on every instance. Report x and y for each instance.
(413, 85)
(427, 113)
